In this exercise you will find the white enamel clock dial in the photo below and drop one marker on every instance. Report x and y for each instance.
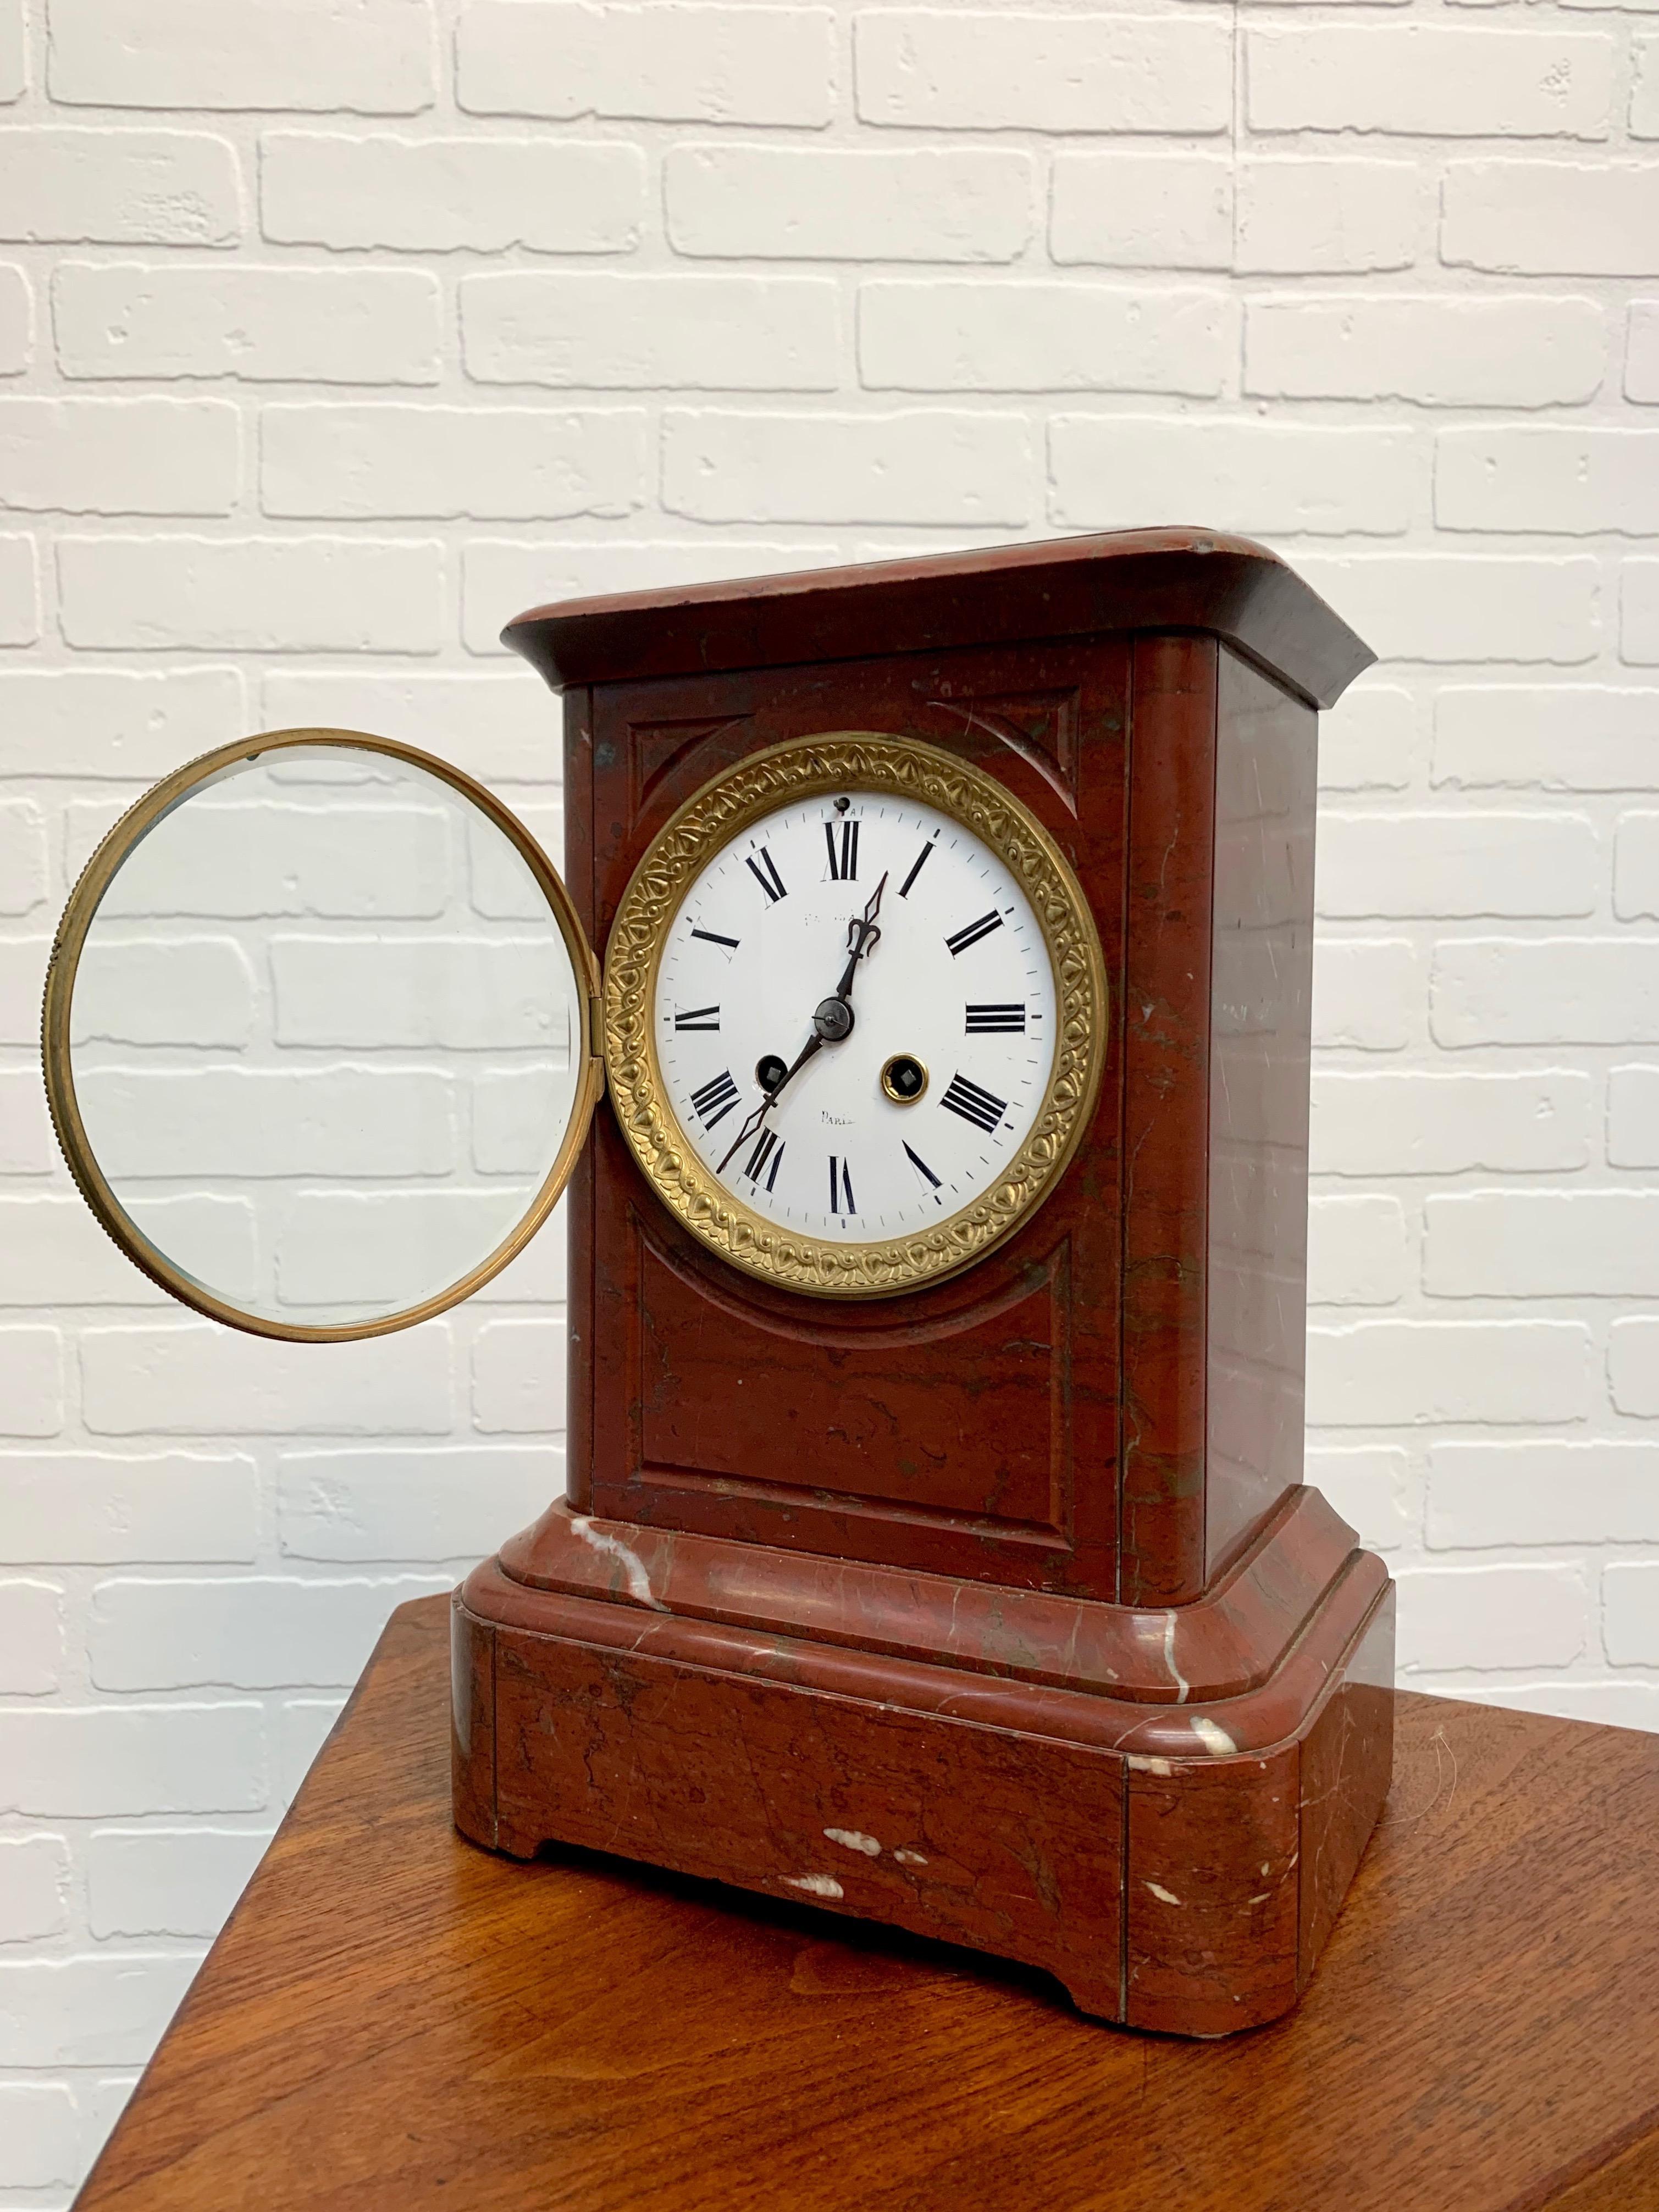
(921, 1107)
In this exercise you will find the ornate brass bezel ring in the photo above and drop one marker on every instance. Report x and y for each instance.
(850, 761)
(95, 880)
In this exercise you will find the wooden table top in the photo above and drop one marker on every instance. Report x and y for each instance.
(394, 2019)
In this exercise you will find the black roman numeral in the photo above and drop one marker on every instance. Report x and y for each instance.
(764, 870)
(983, 1019)
(981, 1106)
(716, 1099)
(920, 1166)
(840, 1187)
(714, 937)
(843, 851)
(708, 1017)
(916, 867)
(971, 932)
(768, 1148)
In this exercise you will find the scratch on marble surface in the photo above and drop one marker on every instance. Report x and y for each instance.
(853, 1839)
(633, 1567)
(1163, 1896)
(815, 1884)
(1213, 1737)
(1169, 1660)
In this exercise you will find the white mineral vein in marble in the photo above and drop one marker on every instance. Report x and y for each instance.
(854, 1840)
(633, 1567)
(815, 1885)
(1163, 1896)
(1212, 1736)
(1168, 1659)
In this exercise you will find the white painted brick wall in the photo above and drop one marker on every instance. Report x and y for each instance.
(824, 203)
(375, 57)
(705, 332)
(259, 325)
(1313, 215)
(510, 463)
(691, 65)
(1638, 613)
(1014, 69)
(1439, 352)
(1422, 79)
(166, 1881)
(439, 195)
(1551, 218)
(334, 332)
(34, 1882)
(1328, 482)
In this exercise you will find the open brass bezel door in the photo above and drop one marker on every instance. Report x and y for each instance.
(70, 942)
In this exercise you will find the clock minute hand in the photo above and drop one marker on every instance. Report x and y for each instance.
(752, 1126)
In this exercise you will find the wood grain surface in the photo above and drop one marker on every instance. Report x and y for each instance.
(393, 2018)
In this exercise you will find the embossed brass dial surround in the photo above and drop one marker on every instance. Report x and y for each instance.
(839, 761)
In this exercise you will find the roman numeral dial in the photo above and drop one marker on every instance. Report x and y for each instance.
(973, 1102)
(962, 939)
(766, 1159)
(839, 936)
(842, 839)
(764, 870)
(713, 1101)
(922, 1167)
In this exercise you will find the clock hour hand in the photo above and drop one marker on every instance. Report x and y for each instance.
(861, 936)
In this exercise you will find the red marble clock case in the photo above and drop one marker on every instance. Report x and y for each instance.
(997, 1611)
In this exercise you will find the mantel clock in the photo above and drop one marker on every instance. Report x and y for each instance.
(934, 1546)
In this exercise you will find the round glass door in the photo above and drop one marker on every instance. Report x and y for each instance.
(319, 1034)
